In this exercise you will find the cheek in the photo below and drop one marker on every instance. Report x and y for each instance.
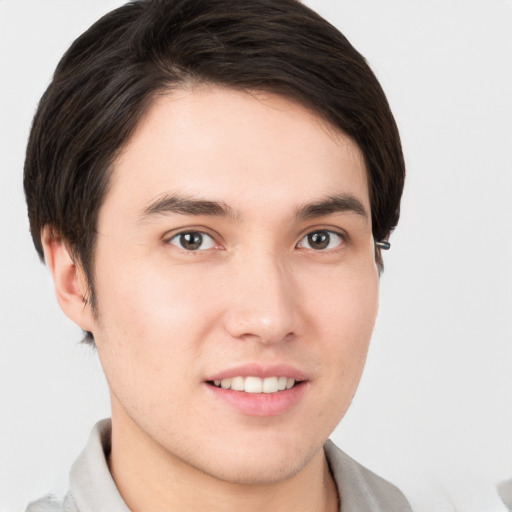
(343, 315)
(140, 299)
(347, 303)
(148, 332)
(346, 314)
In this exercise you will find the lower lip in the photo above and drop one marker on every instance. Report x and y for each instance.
(260, 404)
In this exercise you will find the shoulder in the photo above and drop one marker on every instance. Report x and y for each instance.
(505, 492)
(361, 489)
(50, 503)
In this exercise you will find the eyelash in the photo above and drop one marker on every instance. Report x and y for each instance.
(179, 237)
(326, 238)
(329, 234)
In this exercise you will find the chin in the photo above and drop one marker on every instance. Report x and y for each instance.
(258, 463)
(259, 472)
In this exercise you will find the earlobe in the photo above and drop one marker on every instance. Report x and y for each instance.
(68, 279)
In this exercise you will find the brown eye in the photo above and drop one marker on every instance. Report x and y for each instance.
(321, 240)
(192, 241)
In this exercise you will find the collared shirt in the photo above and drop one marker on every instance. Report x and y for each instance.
(505, 492)
(92, 488)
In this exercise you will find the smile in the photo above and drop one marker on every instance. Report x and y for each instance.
(256, 384)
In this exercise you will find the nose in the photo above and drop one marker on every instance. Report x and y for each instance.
(263, 303)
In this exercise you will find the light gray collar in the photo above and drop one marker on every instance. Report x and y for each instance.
(93, 488)
(359, 489)
(92, 485)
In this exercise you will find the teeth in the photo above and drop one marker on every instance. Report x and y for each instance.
(256, 384)
(270, 385)
(253, 385)
(237, 383)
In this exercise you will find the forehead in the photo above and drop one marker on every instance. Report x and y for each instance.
(245, 149)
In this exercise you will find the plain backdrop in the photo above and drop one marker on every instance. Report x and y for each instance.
(433, 412)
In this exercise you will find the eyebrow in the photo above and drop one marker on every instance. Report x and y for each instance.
(172, 204)
(166, 205)
(332, 204)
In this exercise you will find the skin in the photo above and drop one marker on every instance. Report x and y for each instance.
(256, 291)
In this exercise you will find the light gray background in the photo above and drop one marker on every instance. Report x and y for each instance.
(434, 409)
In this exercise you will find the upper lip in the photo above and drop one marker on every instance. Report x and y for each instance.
(259, 370)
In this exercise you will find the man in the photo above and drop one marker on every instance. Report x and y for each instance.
(210, 184)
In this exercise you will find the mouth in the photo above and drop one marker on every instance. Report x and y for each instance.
(254, 389)
(254, 385)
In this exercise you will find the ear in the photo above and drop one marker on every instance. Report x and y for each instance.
(68, 279)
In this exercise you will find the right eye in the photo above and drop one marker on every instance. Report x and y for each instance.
(192, 241)
(321, 240)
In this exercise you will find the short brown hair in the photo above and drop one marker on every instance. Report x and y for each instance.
(108, 77)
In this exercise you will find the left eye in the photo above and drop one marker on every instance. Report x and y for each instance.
(192, 241)
(321, 240)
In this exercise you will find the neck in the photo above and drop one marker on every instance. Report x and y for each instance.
(149, 478)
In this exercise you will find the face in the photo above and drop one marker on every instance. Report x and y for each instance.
(236, 282)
